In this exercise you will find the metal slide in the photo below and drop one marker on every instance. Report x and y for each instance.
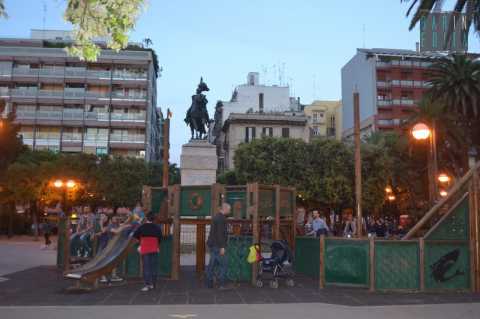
(103, 263)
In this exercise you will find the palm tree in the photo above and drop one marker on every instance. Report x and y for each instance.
(455, 83)
(424, 7)
(3, 13)
(455, 80)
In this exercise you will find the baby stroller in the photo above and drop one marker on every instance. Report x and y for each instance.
(275, 265)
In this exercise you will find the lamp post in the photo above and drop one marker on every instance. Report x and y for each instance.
(64, 186)
(421, 132)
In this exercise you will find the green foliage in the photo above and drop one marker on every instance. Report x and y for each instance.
(112, 19)
(155, 174)
(10, 143)
(230, 178)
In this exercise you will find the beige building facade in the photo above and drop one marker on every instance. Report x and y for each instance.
(324, 119)
(244, 128)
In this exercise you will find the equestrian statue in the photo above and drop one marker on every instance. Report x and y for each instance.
(197, 115)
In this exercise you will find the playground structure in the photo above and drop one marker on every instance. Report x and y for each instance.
(256, 209)
(444, 255)
(440, 253)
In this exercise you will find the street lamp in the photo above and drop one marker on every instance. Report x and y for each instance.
(443, 193)
(391, 197)
(388, 190)
(421, 132)
(443, 178)
(64, 185)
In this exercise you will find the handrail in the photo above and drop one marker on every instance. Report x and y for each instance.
(439, 205)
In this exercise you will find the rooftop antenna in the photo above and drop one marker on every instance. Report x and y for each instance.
(44, 16)
(363, 35)
(438, 6)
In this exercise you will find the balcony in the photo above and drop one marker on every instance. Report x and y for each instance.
(127, 117)
(75, 72)
(49, 115)
(383, 84)
(119, 75)
(96, 116)
(4, 92)
(72, 137)
(74, 94)
(135, 96)
(71, 115)
(58, 94)
(95, 140)
(23, 92)
(58, 72)
(25, 114)
(384, 102)
(408, 102)
(98, 74)
(97, 95)
(5, 73)
(118, 138)
(25, 72)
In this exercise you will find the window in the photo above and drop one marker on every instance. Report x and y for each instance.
(101, 151)
(454, 39)
(267, 132)
(249, 134)
(260, 102)
(285, 132)
(434, 39)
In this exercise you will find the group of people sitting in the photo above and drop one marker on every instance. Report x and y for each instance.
(315, 223)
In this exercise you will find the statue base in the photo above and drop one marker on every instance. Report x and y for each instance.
(198, 163)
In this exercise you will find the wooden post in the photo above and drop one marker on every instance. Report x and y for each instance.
(358, 163)
(174, 206)
(421, 270)
(252, 196)
(201, 249)
(276, 232)
(321, 273)
(147, 198)
(372, 264)
(477, 227)
(166, 149)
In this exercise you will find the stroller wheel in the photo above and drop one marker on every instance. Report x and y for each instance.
(259, 283)
(274, 284)
(290, 282)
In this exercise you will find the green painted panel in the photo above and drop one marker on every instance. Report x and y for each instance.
(158, 195)
(397, 265)
(347, 262)
(266, 203)
(195, 201)
(286, 203)
(132, 263)
(447, 266)
(62, 225)
(307, 256)
(165, 257)
(237, 252)
(455, 226)
(238, 201)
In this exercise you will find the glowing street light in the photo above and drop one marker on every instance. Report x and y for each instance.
(388, 189)
(443, 193)
(70, 184)
(421, 131)
(391, 198)
(58, 183)
(443, 178)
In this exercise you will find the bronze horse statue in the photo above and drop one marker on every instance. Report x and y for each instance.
(197, 115)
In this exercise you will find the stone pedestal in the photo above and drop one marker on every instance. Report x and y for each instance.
(198, 163)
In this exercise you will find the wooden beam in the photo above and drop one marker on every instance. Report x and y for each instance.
(442, 202)
(421, 270)
(476, 228)
(66, 245)
(276, 232)
(358, 163)
(321, 273)
(166, 151)
(174, 196)
(201, 249)
(294, 216)
(254, 190)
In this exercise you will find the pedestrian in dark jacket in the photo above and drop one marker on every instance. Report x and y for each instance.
(217, 242)
(149, 235)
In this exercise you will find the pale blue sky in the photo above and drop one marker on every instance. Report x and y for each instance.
(222, 40)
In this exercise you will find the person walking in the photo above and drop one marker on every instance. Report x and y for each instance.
(217, 242)
(149, 235)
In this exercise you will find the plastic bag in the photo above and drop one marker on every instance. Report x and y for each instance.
(253, 254)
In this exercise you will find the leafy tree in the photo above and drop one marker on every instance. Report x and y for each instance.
(112, 19)
(155, 174)
(120, 180)
(11, 144)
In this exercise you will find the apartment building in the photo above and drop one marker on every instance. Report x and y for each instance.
(324, 119)
(243, 128)
(390, 83)
(67, 105)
